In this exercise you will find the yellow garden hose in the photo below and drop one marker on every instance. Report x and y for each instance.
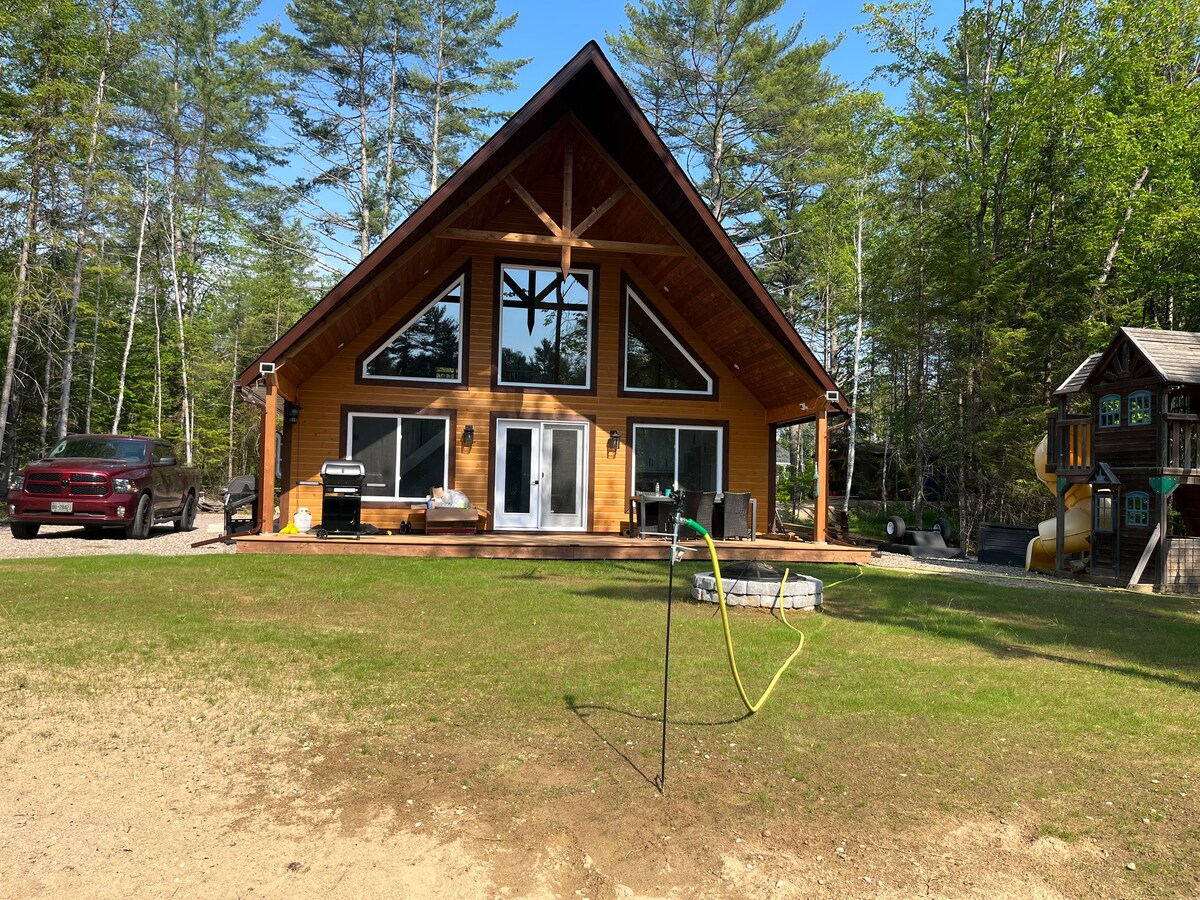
(737, 678)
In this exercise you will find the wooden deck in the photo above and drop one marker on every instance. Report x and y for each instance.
(536, 545)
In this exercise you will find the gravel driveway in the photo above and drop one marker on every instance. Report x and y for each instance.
(65, 540)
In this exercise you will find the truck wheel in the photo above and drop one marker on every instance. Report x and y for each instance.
(896, 528)
(187, 518)
(23, 531)
(143, 520)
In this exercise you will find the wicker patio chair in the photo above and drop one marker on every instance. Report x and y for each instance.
(698, 506)
(737, 515)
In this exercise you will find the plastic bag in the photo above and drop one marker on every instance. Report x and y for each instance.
(456, 499)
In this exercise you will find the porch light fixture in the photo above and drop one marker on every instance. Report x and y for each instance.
(614, 440)
(468, 437)
(293, 413)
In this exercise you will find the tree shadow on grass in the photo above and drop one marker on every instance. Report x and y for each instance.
(584, 711)
(1150, 637)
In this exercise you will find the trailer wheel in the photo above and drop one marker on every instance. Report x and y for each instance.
(896, 528)
(943, 527)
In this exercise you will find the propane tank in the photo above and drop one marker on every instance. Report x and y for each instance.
(303, 519)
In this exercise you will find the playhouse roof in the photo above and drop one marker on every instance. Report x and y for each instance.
(771, 358)
(1074, 382)
(1173, 355)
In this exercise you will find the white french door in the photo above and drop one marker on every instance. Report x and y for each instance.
(541, 475)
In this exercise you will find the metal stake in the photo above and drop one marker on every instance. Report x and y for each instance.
(675, 553)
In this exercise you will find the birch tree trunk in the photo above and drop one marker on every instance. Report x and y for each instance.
(68, 363)
(91, 396)
(137, 294)
(22, 286)
(1111, 256)
(858, 334)
(177, 296)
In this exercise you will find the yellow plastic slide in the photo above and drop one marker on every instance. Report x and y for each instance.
(1077, 520)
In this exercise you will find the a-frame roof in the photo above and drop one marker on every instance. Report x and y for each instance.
(589, 92)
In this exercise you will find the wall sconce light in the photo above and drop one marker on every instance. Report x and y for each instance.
(614, 440)
(468, 436)
(293, 413)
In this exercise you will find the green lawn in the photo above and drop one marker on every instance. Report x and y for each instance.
(916, 697)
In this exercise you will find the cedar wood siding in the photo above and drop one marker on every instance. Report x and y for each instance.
(659, 236)
(320, 433)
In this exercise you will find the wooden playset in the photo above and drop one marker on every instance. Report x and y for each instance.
(1122, 454)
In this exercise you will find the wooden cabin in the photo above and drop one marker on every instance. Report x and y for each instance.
(1128, 425)
(562, 325)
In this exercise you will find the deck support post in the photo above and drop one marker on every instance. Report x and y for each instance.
(821, 505)
(266, 472)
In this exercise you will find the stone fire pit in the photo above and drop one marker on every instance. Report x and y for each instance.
(757, 584)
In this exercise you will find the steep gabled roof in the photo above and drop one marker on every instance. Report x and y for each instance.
(589, 90)
(1175, 355)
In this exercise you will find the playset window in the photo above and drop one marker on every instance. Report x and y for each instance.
(1137, 509)
(1103, 511)
(1110, 411)
(1140, 403)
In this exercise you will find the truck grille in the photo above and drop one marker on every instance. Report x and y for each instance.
(79, 485)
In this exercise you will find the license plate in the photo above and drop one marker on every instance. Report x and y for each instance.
(62, 506)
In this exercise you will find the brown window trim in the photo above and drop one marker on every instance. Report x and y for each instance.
(459, 384)
(497, 311)
(722, 424)
(628, 284)
(430, 411)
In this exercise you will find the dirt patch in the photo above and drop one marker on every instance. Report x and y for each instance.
(149, 791)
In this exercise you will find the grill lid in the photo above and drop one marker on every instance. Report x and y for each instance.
(343, 468)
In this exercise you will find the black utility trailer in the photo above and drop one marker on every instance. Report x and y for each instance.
(342, 482)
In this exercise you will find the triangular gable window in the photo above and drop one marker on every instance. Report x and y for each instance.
(656, 360)
(429, 345)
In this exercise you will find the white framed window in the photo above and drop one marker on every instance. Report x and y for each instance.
(655, 360)
(404, 455)
(688, 455)
(545, 333)
(429, 346)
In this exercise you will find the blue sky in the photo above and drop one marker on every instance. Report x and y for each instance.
(552, 31)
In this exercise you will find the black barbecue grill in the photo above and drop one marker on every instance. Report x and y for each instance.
(341, 497)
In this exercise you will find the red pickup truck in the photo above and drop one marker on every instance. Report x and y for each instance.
(104, 481)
